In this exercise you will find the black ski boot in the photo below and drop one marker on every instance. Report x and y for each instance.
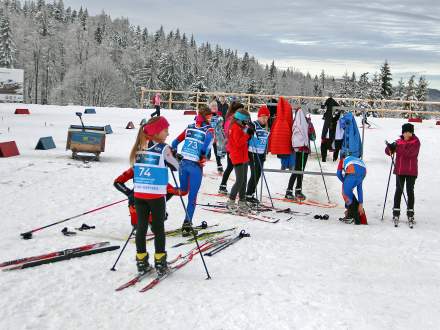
(299, 196)
(289, 194)
(222, 190)
(142, 263)
(160, 263)
(396, 215)
(187, 229)
(410, 215)
(252, 200)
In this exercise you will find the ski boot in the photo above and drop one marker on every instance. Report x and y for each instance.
(187, 229)
(220, 170)
(231, 206)
(299, 196)
(160, 263)
(222, 190)
(410, 215)
(252, 200)
(243, 207)
(289, 195)
(396, 215)
(142, 263)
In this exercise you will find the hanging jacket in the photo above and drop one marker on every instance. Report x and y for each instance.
(407, 153)
(281, 130)
(300, 133)
(238, 144)
(351, 143)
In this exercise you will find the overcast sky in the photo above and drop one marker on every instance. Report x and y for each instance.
(310, 35)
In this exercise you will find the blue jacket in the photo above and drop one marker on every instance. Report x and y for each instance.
(351, 143)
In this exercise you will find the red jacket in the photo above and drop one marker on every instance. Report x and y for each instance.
(406, 156)
(238, 144)
(280, 138)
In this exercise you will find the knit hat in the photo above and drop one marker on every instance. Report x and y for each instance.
(407, 127)
(263, 111)
(156, 126)
(241, 116)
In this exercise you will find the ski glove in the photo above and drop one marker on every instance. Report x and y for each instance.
(202, 161)
(250, 131)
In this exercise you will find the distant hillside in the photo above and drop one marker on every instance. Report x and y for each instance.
(433, 94)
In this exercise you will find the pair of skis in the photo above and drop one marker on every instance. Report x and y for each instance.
(309, 202)
(262, 218)
(227, 243)
(411, 223)
(209, 244)
(58, 256)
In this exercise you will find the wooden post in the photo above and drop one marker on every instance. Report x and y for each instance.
(170, 100)
(142, 98)
(249, 103)
(197, 100)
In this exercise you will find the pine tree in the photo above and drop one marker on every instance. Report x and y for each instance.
(422, 91)
(317, 91)
(169, 74)
(322, 80)
(385, 77)
(7, 45)
(400, 90)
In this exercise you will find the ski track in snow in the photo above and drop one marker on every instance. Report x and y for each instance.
(301, 274)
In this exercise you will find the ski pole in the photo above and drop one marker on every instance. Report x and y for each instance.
(264, 176)
(322, 174)
(28, 234)
(123, 248)
(192, 230)
(388, 185)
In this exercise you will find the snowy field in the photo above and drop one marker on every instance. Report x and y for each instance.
(300, 274)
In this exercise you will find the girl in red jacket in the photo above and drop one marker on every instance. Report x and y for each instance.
(150, 158)
(407, 150)
(239, 134)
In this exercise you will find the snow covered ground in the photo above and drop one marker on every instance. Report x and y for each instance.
(301, 274)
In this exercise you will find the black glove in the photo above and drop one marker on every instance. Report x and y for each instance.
(131, 198)
(250, 131)
(251, 125)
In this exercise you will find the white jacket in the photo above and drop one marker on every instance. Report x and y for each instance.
(300, 131)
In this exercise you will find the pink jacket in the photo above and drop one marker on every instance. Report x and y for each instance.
(156, 99)
(226, 130)
(406, 156)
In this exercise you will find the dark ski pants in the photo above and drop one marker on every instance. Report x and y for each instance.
(239, 186)
(300, 165)
(227, 171)
(400, 183)
(255, 163)
(157, 112)
(217, 158)
(157, 207)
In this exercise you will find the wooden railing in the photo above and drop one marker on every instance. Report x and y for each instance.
(413, 107)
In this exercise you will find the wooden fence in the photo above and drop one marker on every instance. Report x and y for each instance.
(190, 99)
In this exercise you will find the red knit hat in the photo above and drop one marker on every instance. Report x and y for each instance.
(156, 127)
(263, 111)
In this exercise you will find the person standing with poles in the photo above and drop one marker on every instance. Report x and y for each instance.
(197, 139)
(301, 135)
(257, 153)
(150, 158)
(406, 149)
(239, 134)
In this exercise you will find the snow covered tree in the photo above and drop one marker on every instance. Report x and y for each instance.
(400, 90)
(7, 45)
(422, 91)
(169, 74)
(385, 77)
